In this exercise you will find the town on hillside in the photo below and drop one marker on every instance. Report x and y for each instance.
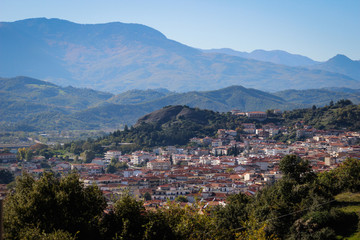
(207, 169)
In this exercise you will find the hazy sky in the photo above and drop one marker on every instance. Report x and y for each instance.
(318, 29)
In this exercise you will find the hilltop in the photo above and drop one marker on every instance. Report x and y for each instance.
(175, 125)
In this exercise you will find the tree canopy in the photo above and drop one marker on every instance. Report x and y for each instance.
(52, 204)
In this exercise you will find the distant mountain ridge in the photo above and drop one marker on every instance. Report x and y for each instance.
(117, 57)
(274, 56)
(30, 104)
(341, 64)
(338, 64)
(319, 97)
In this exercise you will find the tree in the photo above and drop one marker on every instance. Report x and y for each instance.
(21, 154)
(126, 220)
(324, 225)
(111, 169)
(36, 233)
(51, 204)
(254, 231)
(234, 213)
(6, 176)
(294, 167)
(88, 156)
(346, 177)
(28, 155)
(181, 199)
(147, 196)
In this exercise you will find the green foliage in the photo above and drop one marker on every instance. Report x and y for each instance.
(116, 165)
(254, 231)
(51, 204)
(181, 199)
(147, 196)
(290, 198)
(299, 206)
(6, 176)
(324, 225)
(294, 167)
(24, 154)
(338, 116)
(88, 156)
(234, 214)
(126, 220)
(172, 127)
(346, 177)
(189, 223)
(36, 234)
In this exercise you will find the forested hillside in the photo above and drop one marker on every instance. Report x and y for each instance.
(29, 104)
(175, 125)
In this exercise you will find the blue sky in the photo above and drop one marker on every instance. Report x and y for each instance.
(318, 29)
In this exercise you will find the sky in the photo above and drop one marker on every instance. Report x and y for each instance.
(318, 29)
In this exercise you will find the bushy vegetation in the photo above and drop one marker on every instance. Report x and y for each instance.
(341, 115)
(299, 206)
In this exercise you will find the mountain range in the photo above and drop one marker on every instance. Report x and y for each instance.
(274, 56)
(29, 104)
(116, 57)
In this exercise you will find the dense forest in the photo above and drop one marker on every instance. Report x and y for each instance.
(302, 205)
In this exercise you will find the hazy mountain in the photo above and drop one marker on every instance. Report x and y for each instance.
(223, 100)
(319, 97)
(116, 57)
(27, 103)
(274, 56)
(49, 95)
(139, 96)
(226, 99)
(344, 90)
(31, 104)
(341, 64)
(338, 64)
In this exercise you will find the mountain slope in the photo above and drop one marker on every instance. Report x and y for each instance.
(319, 97)
(116, 57)
(223, 100)
(226, 99)
(139, 96)
(274, 56)
(341, 64)
(34, 91)
(31, 104)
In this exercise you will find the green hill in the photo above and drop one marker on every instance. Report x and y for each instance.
(175, 125)
(27, 103)
(341, 115)
(318, 97)
(40, 92)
